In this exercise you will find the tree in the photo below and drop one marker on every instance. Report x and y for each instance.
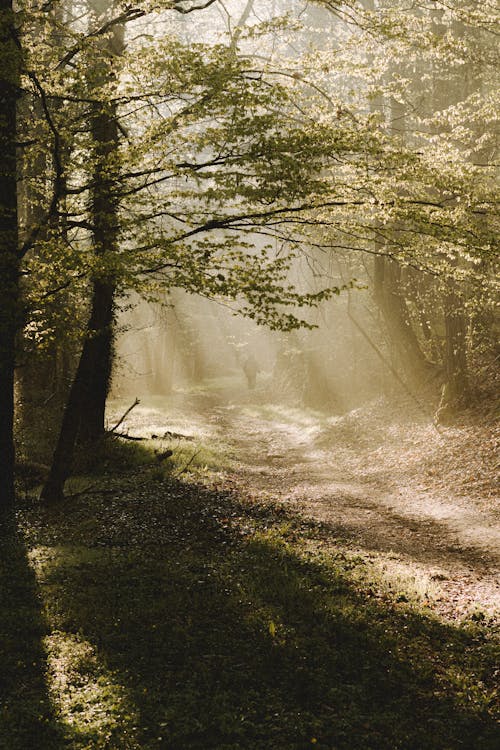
(10, 317)
(215, 165)
(84, 412)
(208, 84)
(428, 72)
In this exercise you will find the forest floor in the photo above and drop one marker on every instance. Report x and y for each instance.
(420, 502)
(287, 579)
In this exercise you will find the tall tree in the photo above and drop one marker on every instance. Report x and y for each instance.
(83, 415)
(105, 220)
(10, 54)
(192, 85)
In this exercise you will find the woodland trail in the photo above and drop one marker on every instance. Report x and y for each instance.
(418, 505)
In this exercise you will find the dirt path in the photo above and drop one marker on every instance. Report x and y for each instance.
(419, 505)
(445, 545)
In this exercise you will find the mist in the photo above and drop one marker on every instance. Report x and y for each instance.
(190, 343)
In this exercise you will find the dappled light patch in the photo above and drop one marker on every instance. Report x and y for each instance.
(283, 414)
(88, 698)
(378, 477)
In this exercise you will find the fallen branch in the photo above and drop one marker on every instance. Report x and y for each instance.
(125, 436)
(90, 487)
(124, 416)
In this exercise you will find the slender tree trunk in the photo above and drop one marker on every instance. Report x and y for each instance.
(100, 352)
(455, 353)
(9, 258)
(105, 205)
(83, 416)
(456, 388)
(387, 289)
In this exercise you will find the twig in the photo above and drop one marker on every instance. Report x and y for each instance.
(136, 403)
(80, 492)
(188, 464)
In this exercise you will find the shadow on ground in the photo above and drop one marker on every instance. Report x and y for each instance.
(187, 619)
(27, 718)
(376, 527)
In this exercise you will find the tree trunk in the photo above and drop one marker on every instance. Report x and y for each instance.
(105, 204)
(9, 258)
(455, 352)
(100, 355)
(84, 380)
(83, 416)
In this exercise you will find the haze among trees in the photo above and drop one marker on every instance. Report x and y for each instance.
(249, 343)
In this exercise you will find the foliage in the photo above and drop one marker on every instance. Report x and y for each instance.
(244, 149)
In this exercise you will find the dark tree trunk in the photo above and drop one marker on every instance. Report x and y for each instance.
(100, 355)
(9, 258)
(105, 204)
(84, 380)
(83, 416)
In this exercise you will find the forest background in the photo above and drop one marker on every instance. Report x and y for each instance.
(219, 149)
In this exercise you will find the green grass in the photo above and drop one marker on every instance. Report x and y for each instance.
(196, 456)
(155, 613)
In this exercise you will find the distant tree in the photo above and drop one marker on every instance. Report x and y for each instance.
(428, 74)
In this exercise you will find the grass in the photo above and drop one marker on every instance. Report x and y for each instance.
(154, 613)
(198, 458)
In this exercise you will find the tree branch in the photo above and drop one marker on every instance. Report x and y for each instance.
(124, 416)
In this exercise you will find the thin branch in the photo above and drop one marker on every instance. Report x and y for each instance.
(58, 166)
(62, 287)
(177, 6)
(124, 416)
(188, 464)
(124, 436)
(129, 15)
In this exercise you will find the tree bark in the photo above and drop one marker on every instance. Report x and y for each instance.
(105, 217)
(83, 416)
(99, 353)
(9, 258)
(105, 206)
(95, 344)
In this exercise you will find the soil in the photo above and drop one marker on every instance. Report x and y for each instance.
(418, 502)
